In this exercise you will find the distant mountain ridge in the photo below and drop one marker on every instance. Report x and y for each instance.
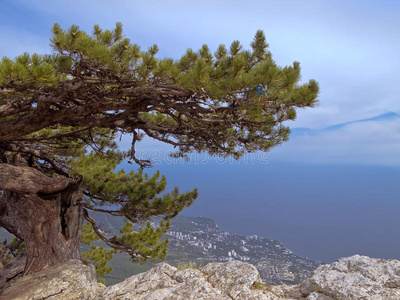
(300, 131)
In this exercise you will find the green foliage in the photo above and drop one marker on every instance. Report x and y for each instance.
(29, 69)
(260, 285)
(20, 249)
(88, 235)
(135, 193)
(263, 286)
(134, 196)
(100, 257)
(231, 71)
(146, 241)
(189, 265)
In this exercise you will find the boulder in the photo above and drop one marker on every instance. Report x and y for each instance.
(355, 277)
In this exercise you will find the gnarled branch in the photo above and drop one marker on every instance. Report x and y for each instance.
(29, 180)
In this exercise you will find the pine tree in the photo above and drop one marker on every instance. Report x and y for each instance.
(61, 114)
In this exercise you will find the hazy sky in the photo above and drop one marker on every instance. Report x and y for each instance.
(350, 47)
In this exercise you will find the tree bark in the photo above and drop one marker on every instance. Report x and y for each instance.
(50, 224)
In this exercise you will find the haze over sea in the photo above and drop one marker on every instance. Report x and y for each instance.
(333, 189)
(294, 204)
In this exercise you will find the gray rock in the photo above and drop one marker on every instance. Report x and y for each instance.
(318, 296)
(156, 283)
(356, 277)
(219, 281)
(71, 280)
(232, 277)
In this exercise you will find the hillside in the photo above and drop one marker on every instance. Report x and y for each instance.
(200, 240)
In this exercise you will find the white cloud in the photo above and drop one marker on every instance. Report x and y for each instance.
(372, 142)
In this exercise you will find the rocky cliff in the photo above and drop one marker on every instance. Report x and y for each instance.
(356, 277)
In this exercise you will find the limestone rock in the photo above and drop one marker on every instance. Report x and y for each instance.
(355, 277)
(216, 281)
(153, 284)
(71, 280)
(318, 296)
(232, 277)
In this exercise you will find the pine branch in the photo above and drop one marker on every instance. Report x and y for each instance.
(110, 242)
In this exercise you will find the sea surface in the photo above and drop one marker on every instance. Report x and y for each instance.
(319, 211)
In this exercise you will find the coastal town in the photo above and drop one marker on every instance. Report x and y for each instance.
(201, 240)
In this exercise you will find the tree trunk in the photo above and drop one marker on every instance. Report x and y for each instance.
(49, 224)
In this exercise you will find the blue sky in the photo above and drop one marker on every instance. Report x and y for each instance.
(350, 47)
